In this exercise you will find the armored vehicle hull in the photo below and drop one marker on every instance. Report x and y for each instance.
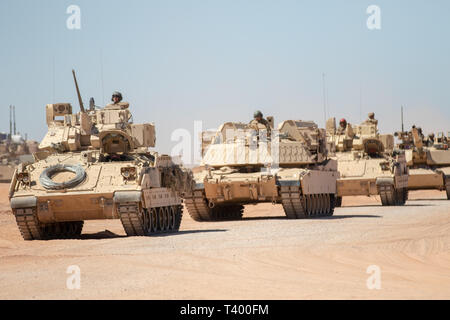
(429, 166)
(304, 182)
(367, 163)
(373, 176)
(430, 178)
(142, 202)
(302, 192)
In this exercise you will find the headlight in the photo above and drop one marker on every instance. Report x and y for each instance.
(128, 172)
(385, 166)
(23, 177)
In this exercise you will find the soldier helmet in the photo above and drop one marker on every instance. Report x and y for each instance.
(116, 94)
(257, 114)
(371, 115)
(343, 121)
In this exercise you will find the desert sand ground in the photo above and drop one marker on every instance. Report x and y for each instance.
(265, 256)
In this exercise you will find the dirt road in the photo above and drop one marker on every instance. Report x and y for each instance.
(265, 256)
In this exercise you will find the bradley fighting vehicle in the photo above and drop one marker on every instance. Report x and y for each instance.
(428, 159)
(14, 149)
(367, 163)
(244, 165)
(95, 164)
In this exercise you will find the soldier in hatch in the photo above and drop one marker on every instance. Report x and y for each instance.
(116, 97)
(371, 119)
(430, 140)
(258, 120)
(342, 126)
(117, 102)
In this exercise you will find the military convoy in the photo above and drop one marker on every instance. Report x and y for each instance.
(367, 163)
(244, 165)
(95, 164)
(14, 149)
(428, 160)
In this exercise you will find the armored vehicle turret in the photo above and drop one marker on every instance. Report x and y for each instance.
(367, 163)
(95, 164)
(428, 159)
(243, 165)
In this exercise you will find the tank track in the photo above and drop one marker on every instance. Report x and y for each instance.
(31, 229)
(391, 196)
(199, 210)
(28, 224)
(299, 206)
(143, 222)
(338, 202)
(447, 186)
(292, 202)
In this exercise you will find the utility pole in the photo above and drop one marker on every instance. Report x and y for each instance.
(14, 119)
(10, 122)
(403, 128)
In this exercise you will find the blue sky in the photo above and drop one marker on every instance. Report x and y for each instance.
(180, 61)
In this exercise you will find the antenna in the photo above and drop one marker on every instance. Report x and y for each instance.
(53, 76)
(78, 91)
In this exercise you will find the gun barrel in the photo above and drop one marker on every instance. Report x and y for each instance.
(78, 91)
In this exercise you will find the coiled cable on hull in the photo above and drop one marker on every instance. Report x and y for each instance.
(46, 176)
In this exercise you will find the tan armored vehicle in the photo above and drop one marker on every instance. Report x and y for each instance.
(367, 163)
(244, 166)
(14, 149)
(95, 164)
(428, 160)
